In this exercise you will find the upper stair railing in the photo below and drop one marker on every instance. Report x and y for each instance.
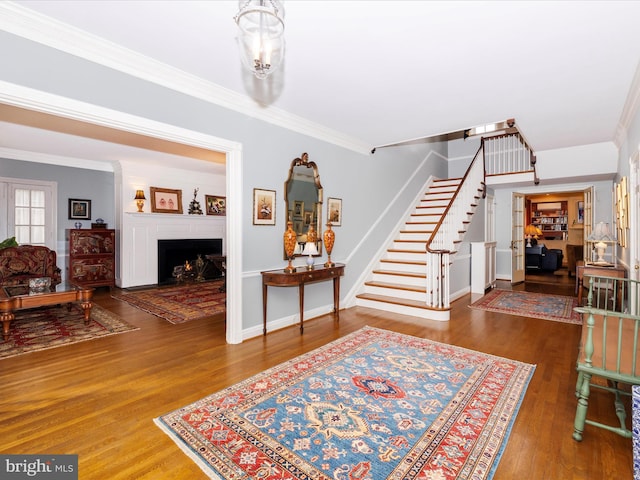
(509, 153)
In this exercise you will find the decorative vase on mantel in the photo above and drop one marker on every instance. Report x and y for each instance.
(290, 242)
(329, 239)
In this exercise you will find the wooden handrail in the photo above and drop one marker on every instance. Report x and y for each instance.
(444, 214)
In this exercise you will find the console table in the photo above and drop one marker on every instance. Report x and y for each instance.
(279, 278)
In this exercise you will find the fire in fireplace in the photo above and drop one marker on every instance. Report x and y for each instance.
(173, 253)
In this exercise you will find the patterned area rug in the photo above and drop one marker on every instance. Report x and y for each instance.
(528, 304)
(181, 303)
(43, 328)
(372, 405)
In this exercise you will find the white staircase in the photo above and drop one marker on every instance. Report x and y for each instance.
(412, 277)
(399, 284)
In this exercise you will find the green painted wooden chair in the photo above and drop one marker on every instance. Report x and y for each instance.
(609, 348)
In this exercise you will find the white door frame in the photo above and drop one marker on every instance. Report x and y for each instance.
(517, 237)
(634, 217)
(65, 108)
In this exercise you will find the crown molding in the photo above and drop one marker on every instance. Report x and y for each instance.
(629, 111)
(59, 160)
(39, 28)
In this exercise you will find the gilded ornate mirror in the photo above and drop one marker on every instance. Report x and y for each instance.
(303, 201)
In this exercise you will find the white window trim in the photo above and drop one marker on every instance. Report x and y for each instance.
(7, 185)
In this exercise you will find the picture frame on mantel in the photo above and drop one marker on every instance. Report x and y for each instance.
(165, 200)
(264, 207)
(215, 205)
(79, 209)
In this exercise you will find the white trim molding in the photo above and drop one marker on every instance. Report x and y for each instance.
(26, 23)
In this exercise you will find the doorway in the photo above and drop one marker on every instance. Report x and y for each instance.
(554, 233)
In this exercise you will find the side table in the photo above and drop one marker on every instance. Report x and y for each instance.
(582, 269)
(279, 278)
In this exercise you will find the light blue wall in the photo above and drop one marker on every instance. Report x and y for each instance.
(374, 189)
(72, 183)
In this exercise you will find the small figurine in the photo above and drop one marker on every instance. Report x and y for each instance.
(194, 206)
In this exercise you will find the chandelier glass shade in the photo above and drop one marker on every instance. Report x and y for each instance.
(261, 24)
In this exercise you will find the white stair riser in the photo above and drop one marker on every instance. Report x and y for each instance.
(406, 256)
(415, 236)
(397, 293)
(418, 246)
(400, 279)
(442, 316)
(433, 203)
(419, 226)
(403, 267)
(424, 217)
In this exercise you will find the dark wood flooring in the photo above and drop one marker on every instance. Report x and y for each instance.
(98, 399)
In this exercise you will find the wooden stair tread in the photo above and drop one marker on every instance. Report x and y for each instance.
(403, 250)
(403, 262)
(400, 273)
(397, 286)
(398, 301)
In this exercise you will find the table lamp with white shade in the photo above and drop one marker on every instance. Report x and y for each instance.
(310, 249)
(601, 235)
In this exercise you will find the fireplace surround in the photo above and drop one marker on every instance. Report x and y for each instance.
(176, 252)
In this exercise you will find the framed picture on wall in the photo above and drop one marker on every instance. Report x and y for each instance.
(334, 211)
(264, 207)
(215, 205)
(580, 212)
(79, 209)
(166, 200)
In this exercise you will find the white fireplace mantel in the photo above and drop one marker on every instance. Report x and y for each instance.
(140, 233)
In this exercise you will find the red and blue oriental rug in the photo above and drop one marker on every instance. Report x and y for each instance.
(527, 304)
(372, 405)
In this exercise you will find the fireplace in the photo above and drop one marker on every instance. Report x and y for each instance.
(173, 253)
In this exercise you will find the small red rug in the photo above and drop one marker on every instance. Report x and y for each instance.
(179, 304)
(533, 305)
(44, 328)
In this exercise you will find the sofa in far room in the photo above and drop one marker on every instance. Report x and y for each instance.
(542, 258)
(20, 264)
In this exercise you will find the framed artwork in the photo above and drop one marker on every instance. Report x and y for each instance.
(264, 207)
(79, 209)
(308, 216)
(334, 211)
(580, 212)
(165, 200)
(216, 205)
(298, 208)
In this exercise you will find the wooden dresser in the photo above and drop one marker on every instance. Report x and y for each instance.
(91, 260)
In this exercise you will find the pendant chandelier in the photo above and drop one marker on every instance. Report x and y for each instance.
(261, 24)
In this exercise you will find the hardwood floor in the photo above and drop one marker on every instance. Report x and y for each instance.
(98, 399)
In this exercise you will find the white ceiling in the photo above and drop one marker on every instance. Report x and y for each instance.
(385, 71)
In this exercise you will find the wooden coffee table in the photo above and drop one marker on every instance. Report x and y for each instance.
(19, 297)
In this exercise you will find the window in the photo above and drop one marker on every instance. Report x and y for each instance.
(30, 208)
